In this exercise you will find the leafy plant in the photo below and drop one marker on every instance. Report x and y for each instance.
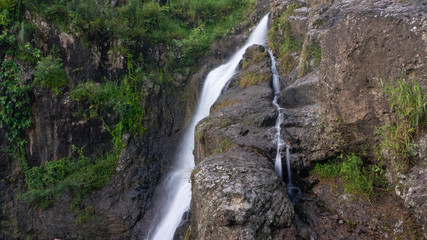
(125, 99)
(7, 8)
(14, 103)
(78, 177)
(50, 73)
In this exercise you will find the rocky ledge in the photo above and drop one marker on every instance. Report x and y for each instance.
(236, 193)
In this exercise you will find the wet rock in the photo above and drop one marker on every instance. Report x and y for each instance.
(224, 127)
(236, 193)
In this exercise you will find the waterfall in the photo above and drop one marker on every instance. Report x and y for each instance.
(293, 191)
(178, 185)
(277, 138)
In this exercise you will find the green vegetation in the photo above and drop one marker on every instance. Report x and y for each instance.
(311, 52)
(254, 58)
(125, 99)
(182, 30)
(282, 42)
(14, 109)
(356, 178)
(7, 9)
(45, 184)
(251, 79)
(188, 26)
(408, 105)
(50, 73)
(224, 146)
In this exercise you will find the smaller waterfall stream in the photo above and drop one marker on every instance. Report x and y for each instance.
(294, 192)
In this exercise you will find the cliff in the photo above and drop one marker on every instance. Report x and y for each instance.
(334, 58)
(90, 163)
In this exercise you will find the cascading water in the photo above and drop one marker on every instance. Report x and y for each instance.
(178, 185)
(293, 191)
(278, 139)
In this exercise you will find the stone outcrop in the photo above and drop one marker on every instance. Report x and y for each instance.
(330, 107)
(335, 107)
(340, 103)
(57, 125)
(236, 193)
(126, 205)
(411, 186)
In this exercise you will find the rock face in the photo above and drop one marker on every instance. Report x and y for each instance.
(334, 107)
(236, 193)
(411, 187)
(113, 211)
(341, 102)
(332, 103)
(124, 208)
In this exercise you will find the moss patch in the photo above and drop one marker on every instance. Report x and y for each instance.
(252, 78)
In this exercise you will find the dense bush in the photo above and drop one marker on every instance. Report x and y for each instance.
(124, 98)
(14, 103)
(188, 27)
(50, 73)
(78, 177)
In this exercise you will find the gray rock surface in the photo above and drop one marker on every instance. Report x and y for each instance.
(236, 193)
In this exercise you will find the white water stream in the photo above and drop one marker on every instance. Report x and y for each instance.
(277, 138)
(293, 191)
(178, 185)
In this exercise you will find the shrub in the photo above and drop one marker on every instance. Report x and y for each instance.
(251, 79)
(78, 177)
(14, 103)
(49, 73)
(125, 99)
(7, 8)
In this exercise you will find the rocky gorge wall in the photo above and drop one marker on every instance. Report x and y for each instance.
(123, 208)
(333, 103)
(58, 127)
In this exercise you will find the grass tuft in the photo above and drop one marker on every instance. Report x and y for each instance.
(408, 105)
(356, 178)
